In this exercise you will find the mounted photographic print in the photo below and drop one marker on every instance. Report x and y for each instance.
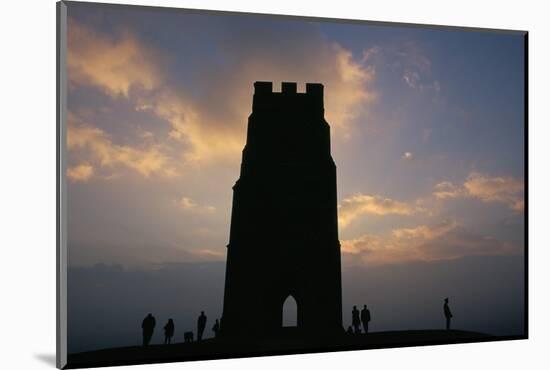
(235, 185)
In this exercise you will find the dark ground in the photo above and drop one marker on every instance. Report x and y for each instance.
(290, 344)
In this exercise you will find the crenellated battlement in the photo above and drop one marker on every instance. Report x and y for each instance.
(266, 87)
(265, 97)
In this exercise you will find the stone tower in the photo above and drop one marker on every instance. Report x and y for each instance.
(284, 226)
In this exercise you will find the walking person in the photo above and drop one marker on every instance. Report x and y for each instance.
(148, 326)
(216, 328)
(365, 318)
(201, 324)
(168, 331)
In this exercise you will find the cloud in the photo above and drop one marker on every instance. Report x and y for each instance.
(350, 87)
(414, 66)
(446, 190)
(80, 173)
(414, 81)
(359, 204)
(209, 254)
(113, 64)
(424, 232)
(210, 120)
(442, 241)
(508, 190)
(503, 189)
(189, 204)
(146, 161)
(146, 135)
(412, 78)
(217, 132)
(211, 137)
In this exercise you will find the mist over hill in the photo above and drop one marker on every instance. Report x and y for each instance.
(107, 303)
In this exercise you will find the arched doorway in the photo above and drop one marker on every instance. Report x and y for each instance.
(290, 312)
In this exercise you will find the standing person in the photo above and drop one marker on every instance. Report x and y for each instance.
(216, 328)
(365, 318)
(168, 331)
(448, 314)
(355, 320)
(201, 324)
(148, 326)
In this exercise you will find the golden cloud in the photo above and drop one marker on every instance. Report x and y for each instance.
(503, 189)
(360, 204)
(444, 241)
(189, 204)
(217, 131)
(424, 232)
(80, 173)
(209, 141)
(507, 189)
(146, 161)
(212, 125)
(114, 65)
(446, 190)
(350, 90)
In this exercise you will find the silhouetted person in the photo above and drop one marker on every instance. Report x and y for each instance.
(448, 314)
(201, 324)
(168, 331)
(216, 328)
(350, 330)
(365, 318)
(356, 320)
(148, 326)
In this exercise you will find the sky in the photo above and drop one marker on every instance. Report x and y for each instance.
(427, 133)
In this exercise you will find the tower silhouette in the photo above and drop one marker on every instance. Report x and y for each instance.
(284, 226)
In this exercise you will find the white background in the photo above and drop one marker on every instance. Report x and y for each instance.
(27, 207)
